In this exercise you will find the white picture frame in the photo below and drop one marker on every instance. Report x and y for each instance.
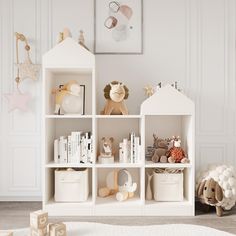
(118, 27)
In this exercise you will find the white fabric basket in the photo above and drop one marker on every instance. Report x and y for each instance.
(71, 186)
(168, 187)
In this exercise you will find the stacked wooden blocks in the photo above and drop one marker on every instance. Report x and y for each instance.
(39, 225)
(58, 229)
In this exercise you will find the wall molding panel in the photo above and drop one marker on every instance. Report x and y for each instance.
(196, 37)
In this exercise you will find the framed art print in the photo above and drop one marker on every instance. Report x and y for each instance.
(118, 27)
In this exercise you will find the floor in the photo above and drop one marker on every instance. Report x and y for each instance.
(16, 215)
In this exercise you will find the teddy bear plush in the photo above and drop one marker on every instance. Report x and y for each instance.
(107, 148)
(160, 149)
(176, 154)
(115, 94)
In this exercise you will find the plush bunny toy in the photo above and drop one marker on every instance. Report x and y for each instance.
(212, 194)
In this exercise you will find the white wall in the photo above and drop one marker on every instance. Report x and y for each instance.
(190, 41)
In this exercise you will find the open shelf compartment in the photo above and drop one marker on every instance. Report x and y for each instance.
(165, 126)
(59, 76)
(54, 128)
(103, 205)
(65, 208)
(118, 129)
(168, 208)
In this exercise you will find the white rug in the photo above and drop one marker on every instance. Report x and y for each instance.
(96, 229)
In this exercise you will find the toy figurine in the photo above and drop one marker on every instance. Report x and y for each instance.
(68, 97)
(115, 93)
(126, 186)
(176, 154)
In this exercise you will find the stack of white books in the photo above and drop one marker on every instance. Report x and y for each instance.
(130, 150)
(76, 148)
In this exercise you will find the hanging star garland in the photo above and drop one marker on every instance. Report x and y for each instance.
(25, 70)
(18, 101)
(28, 70)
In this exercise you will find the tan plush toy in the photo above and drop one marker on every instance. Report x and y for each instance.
(115, 93)
(107, 148)
(161, 148)
(211, 193)
(72, 87)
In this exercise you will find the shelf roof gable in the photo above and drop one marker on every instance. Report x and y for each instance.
(69, 54)
(167, 101)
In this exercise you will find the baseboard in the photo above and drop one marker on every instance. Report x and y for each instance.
(20, 198)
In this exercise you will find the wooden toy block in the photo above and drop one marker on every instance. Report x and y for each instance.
(58, 229)
(39, 219)
(38, 232)
(6, 233)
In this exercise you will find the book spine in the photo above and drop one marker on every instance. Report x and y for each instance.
(136, 148)
(86, 147)
(75, 158)
(65, 150)
(61, 149)
(91, 150)
(132, 148)
(78, 147)
(69, 151)
(56, 151)
(89, 153)
(83, 149)
(72, 147)
(125, 150)
(121, 153)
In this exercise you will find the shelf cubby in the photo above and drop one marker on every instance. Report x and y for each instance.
(170, 208)
(165, 126)
(60, 76)
(132, 205)
(65, 208)
(49, 196)
(54, 128)
(118, 129)
(101, 182)
(186, 177)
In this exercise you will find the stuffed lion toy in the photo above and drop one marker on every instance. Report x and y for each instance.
(115, 94)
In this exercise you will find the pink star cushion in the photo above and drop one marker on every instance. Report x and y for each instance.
(17, 101)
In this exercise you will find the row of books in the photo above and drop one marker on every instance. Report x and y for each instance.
(130, 150)
(76, 148)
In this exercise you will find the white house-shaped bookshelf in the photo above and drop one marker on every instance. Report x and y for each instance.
(65, 62)
(69, 61)
(166, 113)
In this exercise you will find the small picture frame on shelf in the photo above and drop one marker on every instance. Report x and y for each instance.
(83, 99)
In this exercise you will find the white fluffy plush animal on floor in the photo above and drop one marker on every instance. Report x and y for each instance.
(217, 187)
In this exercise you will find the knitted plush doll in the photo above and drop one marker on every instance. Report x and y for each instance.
(176, 154)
